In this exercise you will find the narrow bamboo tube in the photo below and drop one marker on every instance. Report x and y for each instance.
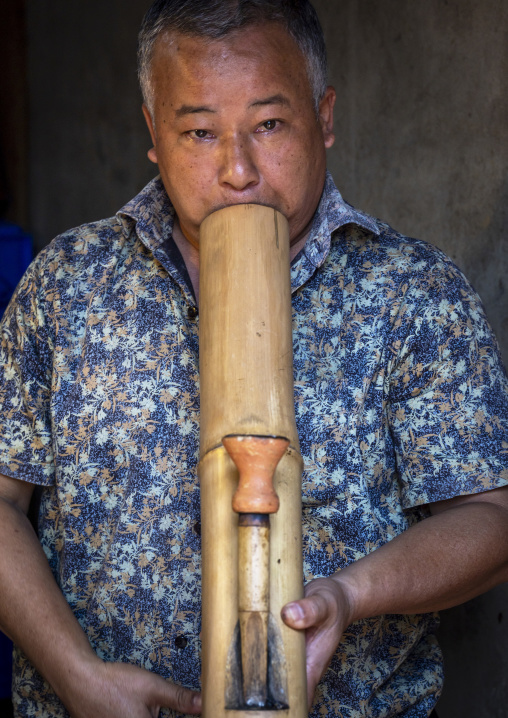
(246, 376)
(254, 604)
(256, 458)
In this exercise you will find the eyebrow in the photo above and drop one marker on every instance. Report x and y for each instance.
(192, 110)
(198, 109)
(273, 100)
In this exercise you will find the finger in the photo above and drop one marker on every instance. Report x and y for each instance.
(181, 699)
(319, 655)
(311, 611)
(305, 614)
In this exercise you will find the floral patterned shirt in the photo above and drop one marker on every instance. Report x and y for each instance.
(400, 396)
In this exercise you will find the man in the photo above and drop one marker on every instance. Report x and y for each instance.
(402, 405)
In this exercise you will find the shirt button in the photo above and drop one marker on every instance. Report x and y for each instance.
(192, 312)
(180, 641)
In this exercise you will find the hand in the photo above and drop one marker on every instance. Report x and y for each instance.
(121, 690)
(324, 613)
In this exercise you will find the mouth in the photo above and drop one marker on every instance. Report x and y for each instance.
(233, 203)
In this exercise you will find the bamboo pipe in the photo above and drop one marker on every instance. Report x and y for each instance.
(246, 377)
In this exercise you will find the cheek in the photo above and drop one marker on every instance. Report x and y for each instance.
(292, 175)
(297, 180)
(189, 186)
(297, 160)
(186, 173)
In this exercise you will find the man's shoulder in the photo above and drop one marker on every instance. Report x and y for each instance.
(73, 265)
(84, 244)
(390, 256)
(372, 244)
(388, 244)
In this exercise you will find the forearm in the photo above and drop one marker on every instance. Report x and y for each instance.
(457, 553)
(445, 560)
(33, 611)
(35, 614)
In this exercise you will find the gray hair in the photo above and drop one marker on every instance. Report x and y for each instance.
(214, 19)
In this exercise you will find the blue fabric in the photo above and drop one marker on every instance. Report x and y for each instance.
(15, 256)
(5, 666)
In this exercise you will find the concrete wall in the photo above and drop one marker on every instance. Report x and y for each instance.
(422, 122)
(88, 139)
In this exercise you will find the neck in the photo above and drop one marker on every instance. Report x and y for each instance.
(297, 246)
(190, 255)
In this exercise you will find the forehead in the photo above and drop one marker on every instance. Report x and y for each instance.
(260, 58)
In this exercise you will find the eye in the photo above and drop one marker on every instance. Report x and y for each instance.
(200, 134)
(268, 126)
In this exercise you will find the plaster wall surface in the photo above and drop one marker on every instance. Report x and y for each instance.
(422, 123)
(88, 139)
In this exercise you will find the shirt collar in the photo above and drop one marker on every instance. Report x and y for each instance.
(154, 215)
(333, 213)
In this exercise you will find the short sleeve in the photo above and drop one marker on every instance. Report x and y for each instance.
(26, 349)
(448, 395)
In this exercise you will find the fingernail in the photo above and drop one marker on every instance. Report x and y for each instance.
(293, 612)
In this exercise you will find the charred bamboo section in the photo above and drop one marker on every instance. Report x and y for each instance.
(250, 469)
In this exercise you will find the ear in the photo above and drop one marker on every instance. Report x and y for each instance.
(326, 116)
(152, 153)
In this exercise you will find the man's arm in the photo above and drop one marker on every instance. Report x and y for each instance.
(36, 616)
(459, 552)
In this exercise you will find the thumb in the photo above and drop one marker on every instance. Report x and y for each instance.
(183, 700)
(310, 611)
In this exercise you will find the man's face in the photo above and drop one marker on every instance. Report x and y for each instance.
(234, 123)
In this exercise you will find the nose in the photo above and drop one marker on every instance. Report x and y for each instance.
(238, 169)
